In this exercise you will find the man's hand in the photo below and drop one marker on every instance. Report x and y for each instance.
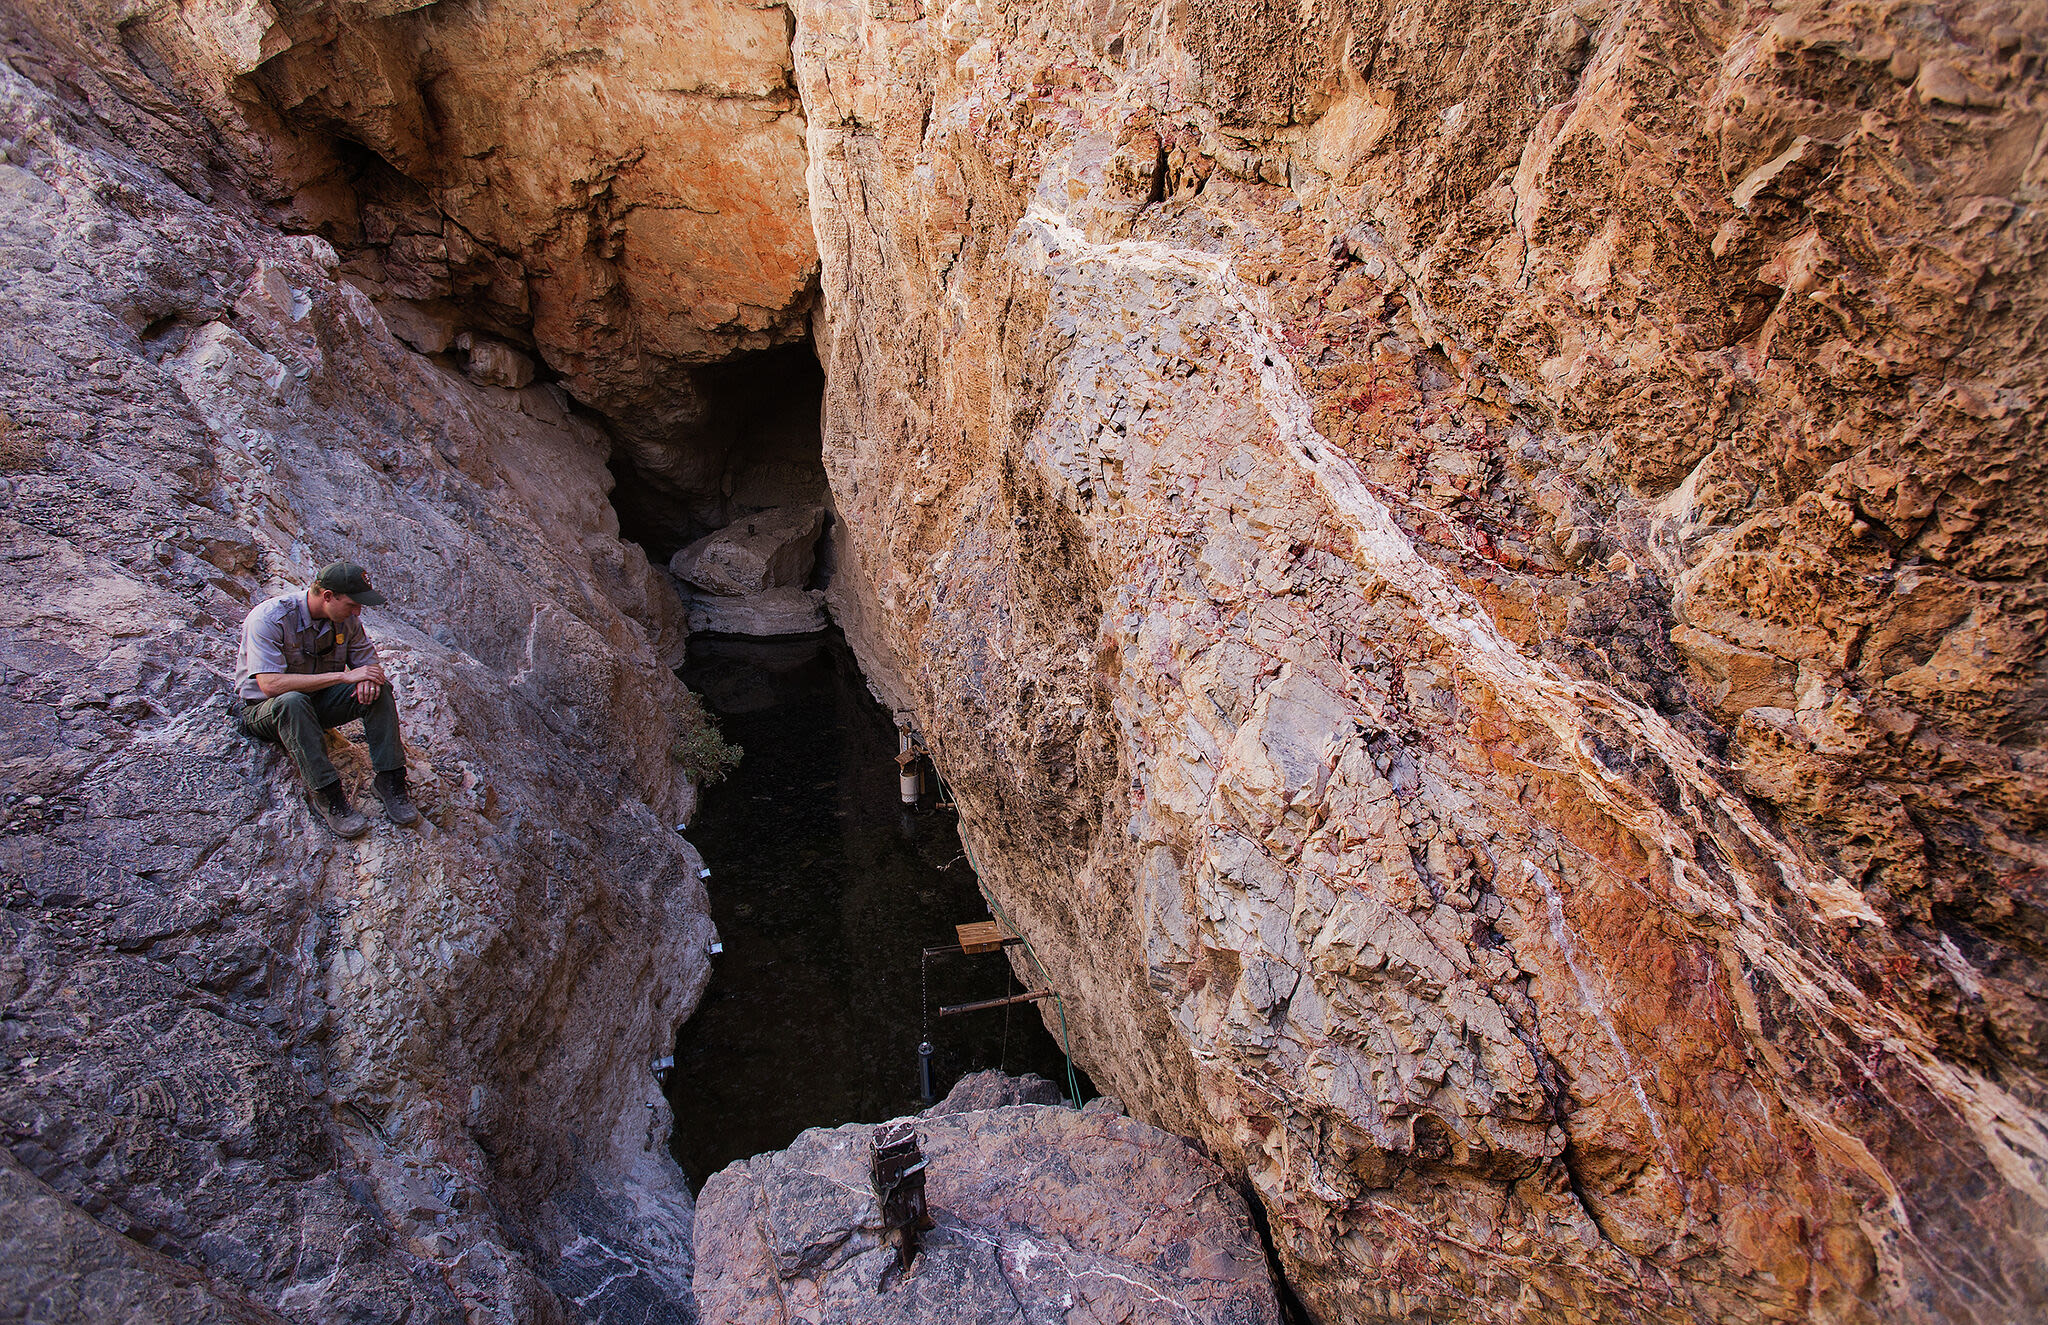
(369, 680)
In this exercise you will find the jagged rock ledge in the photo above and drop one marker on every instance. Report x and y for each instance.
(1042, 1213)
(749, 577)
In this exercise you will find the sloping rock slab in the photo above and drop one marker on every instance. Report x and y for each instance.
(774, 549)
(59, 1264)
(1043, 1215)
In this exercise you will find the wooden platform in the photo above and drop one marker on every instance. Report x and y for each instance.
(983, 936)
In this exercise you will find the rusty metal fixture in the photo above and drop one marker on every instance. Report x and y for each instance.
(897, 1171)
(1030, 996)
(909, 773)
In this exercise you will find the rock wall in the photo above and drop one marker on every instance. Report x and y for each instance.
(404, 1078)
(617, 188)
(1475, 572)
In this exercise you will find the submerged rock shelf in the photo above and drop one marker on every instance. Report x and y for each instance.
(824, 891)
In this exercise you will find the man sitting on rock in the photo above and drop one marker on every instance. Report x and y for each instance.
(306, 664)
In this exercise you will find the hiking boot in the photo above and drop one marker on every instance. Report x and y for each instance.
(390, 788)
(331, 804)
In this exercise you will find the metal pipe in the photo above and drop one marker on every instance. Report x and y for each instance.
(924, 1073)
(987, 1003)
(909, 776)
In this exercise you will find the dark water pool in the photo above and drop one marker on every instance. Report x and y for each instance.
(824, 891)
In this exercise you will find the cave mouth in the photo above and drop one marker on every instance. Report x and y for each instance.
(756, 445)
(729, 493)
(825, 887)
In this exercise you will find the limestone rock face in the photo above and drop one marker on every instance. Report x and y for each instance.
(995, 1090)
(1041, 1213)
(493, 364)
(65, 1266)
(622, 184)
(405, 1078)
(752, 575)
(1474, 574)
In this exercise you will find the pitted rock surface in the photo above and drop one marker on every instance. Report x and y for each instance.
(995, 1090)
(64, 1266)
(620, 187)
(749, 578)
(1475, 573)
(773, 612)
(1043, 1215)
(256, 1071)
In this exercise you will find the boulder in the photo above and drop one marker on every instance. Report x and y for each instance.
(774, 549)
(775, 612)
(995, 1090)
(428, 328)
(492, 363)
(1039, 1213)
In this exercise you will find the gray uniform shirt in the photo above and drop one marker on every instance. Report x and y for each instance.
(280, 635)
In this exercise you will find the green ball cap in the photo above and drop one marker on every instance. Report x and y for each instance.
(349, 578)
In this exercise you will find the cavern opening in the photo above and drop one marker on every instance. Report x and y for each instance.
(825, 886)
(826, 889)
(752, 444)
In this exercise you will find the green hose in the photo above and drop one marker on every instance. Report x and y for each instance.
(1066, 1048)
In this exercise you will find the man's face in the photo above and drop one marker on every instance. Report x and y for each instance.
(336, 607)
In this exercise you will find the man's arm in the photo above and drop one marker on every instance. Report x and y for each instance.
(360, 652)
(362, 655)
(273, 684)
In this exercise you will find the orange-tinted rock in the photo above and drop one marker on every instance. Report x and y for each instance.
(1468, 576)
(623, 184)
(1474, 576)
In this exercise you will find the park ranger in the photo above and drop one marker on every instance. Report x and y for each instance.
(305, 665)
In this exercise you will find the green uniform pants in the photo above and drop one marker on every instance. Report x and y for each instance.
(297, 720)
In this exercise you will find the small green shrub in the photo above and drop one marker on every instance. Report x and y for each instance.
(703, 752)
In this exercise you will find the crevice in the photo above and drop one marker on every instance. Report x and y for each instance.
(826, 888)
(1292, 1312)
(756, 447)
